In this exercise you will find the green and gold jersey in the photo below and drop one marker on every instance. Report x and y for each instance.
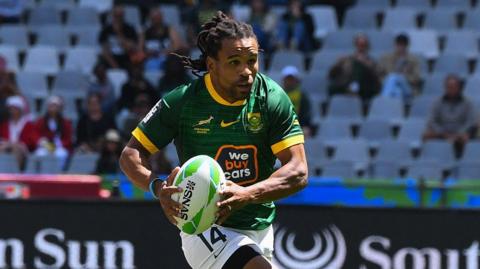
(243, 136)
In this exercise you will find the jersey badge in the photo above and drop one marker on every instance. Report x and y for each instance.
(254, 122)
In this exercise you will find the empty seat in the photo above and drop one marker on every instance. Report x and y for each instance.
(380, 41)
(425, 170)
(83, 163)
(375, 131)
(335, 169)
(14, 35)
(70, 81)
(43, 60)
(46, 15)
(400, 19)
(333, 131)
(462, 42)
(355, 151)
(10, 54)
(472, 87)
(424, 42)
(81, 59)
(83, 16)
(455, 4)
(316, 154)
(471, 152)
(283, 58)
(118, 77)
(52, 35)
(360, 19)
(324, 19)
(100, 6)
(451, 63)
(315, 83)
(87, 36)
(153, 77)
(386, 108)
(171, 14)
(44, 165)
(472, 20)
(438, 150)
(345, 107)
(8, 163)
(411, 132)
(385, 170)
(468, 170)
(32, 83)
(441, 19)
(434, 84)
(421, 5)
(61, 5)
(325, 59)
(421, 106)
(340, 40)
(394, 151)
(383, 4)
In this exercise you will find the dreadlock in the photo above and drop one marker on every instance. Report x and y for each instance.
(209, 40)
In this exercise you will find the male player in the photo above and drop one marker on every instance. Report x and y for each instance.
(245, 121)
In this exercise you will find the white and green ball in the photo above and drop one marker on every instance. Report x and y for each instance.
(200, 179)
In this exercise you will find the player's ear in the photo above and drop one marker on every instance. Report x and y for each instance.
(210, 64)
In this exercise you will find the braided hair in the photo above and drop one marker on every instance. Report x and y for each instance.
(210, 38)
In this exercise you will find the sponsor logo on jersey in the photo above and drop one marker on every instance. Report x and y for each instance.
(152, 111)
(254, 122)
(226, 124)
(239, 163)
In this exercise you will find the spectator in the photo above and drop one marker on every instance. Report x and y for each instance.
(142, 105)
(55, 131)
(300, 100)
(136, 84)
(110, 153)
(11, 11)
(104, 87)
(158, 41)
(357, 73)
(400, 71)
(119, 40)
(92, 125)
(8, 88)
(174, 74)
(452, 116)
(18, 134)
(263, 23)
(296, 28)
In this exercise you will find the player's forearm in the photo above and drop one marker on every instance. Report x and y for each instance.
(133, 164)
(286, 181)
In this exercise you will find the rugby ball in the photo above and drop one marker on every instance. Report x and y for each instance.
(200, 179)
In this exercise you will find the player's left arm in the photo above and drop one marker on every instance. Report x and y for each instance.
(289, 179)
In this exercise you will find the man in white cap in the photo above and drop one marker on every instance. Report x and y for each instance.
(18, 134)
(292, 86)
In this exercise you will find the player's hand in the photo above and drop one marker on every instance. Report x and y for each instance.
(169, 206)
(233, 197)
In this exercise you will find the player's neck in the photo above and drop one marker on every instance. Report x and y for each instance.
(222, 92)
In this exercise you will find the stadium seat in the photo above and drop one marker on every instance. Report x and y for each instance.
(451, 63)
(425, 170)
(455, 4)
(282, 58)
(468, 170)
(345, 107)
(462, 42)
(421, 106)
(70, 82)
(383, 4)
(153, 77)
(83, 163)
(81, 59)
(334, 131)
(83, 16)
(241, 12)
(44, 165)
(386, 108)
(10, 54)
(438, 150)
(324, 19)
(441, 20)
(87, 36)
(360, 19)
(60, 5)
(8, 163)
(132, 16)
(381, 42)
(325, 59)
(411, 132)
(384, 170)
(342, 169)
(424, 42)
(32, 83)
(14, 35)
(42, 59)
(434, 84)
(42, 16)
(340, 40)
(101, 6)
(420, 5)
(171, 154)
(400, 19)
(315, 83)
(472, 19)
(355, 151)
(394, 151)
(52, 35)
(471, 152)
(171, 14)
(118, 77)
(472, 87)
(375, 131)
(316, 154)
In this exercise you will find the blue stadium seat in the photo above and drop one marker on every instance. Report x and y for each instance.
(442, 20)
(434, 84)
(83, 16)
(421, 106)
(8, 163)
(400, 19)
(384, 170)
(386, 108)
(375, 131)
(334, 131)
(468, 170)
(451, 63)
(424, 42)
(425, 170)
(342, 169)
(438, 150)
(394, 151)
(14, 35)
(462, 42)
(357, 18)
(345, 107)
(282, 58)
(411, 132)
(355, 151)
(83, 163)
(324, 19)
(44, 59)
(11, 56)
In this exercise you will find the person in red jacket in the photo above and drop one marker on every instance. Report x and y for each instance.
(55, 132)
(18, 134)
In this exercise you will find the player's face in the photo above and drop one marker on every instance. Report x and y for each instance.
(235, 68)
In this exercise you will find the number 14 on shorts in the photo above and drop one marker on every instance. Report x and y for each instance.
(215, 236)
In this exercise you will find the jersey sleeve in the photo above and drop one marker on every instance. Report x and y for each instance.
(285, 130)
(160, 125)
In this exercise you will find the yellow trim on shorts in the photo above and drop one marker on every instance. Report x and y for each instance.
(286, 143)
(144, 140)
(217, 97)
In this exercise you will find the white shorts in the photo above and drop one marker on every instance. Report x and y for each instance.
(213, 248)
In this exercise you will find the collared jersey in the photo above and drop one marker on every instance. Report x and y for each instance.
(243, 136)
